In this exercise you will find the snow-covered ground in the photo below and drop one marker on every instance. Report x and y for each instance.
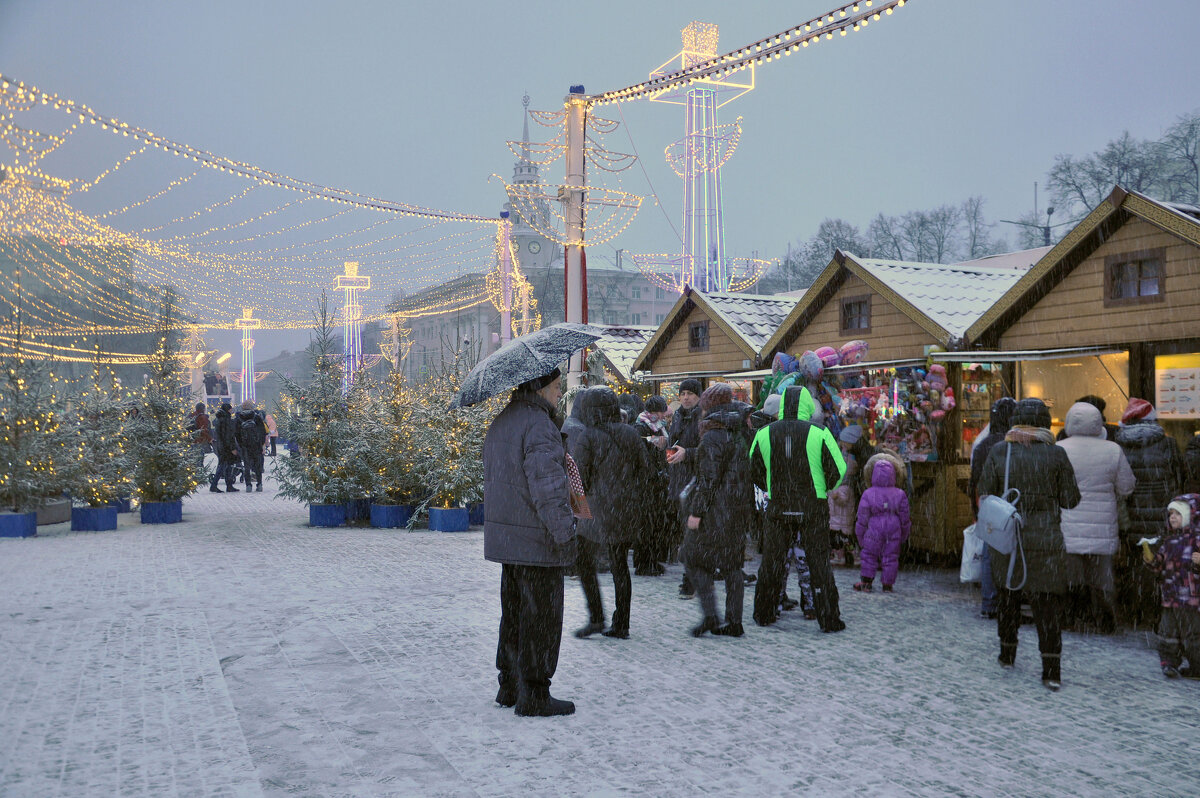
(243, 653)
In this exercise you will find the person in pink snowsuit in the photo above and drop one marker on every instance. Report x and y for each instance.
(882, 525)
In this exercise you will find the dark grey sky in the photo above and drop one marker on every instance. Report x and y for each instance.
(413, 101)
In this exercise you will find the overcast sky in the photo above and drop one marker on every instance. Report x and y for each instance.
(414, 101)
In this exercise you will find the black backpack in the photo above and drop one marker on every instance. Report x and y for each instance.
(249, 433)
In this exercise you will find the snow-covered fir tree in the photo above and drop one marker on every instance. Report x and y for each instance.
(166, 467)
(32, 449)
(392, 441)
(98, 467)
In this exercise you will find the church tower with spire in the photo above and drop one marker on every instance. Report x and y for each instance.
(534, 252)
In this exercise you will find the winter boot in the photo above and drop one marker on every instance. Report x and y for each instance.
(1008, 655)
(589, 629)
(729, 630)
(214, 489)
(709, 624)
(507, 694)
(888, 589)
(619, 633)
(788, 603)
(1170, 671)
(231, 489)
(834, 625)
(1051, 673)
(258, 489)
(863, 585)
(536, 702)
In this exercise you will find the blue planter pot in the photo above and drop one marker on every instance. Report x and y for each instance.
(93, 519)
(475, 513)
(326, 514)
(452, 519)
(391, 516)
(162, 512)
(122, 505)
(358, 510)
(18, 525)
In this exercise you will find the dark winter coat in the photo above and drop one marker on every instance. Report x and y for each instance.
(685, 432)
(1043, 474)
(883, 511)
(1158, 467)
(251, 429)
(796, 463)
(1179, 576)
(615, 468)
(574, 423)
(226, 434)
(529, 519)
(723, 498)
(1191, 459)
(999, 422)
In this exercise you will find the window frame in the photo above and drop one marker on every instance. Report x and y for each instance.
(842, 317)
(692, 327)
(1114, 262)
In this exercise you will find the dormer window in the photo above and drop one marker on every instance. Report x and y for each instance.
(856, 314)
(1135, 278)
(698, 336)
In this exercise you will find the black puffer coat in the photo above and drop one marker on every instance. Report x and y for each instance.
(529, 519)
(685, 432)
(225, 437)
(723, 497)
(1046, 479)
(615, 469)
(1191, 457)
(1158, 467)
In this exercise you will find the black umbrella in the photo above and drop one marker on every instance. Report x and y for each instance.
(522, 359)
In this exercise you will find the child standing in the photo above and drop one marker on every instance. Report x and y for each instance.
(1177, 564)
(883, 524)
(841, 518)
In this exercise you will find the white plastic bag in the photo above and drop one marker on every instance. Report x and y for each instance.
(972, 556)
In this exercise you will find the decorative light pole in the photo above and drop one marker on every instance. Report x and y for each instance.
(572, 195)
(246, 324)
(352, 354)
(504, 230)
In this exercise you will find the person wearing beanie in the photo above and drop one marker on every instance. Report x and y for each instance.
(719, 508)
(1090, 530)
(658, 520)
(1159, 469)
(683, 441)
(225, 443)
(1029, 461)
(999, 422)
(530, 531)
(1176, 566)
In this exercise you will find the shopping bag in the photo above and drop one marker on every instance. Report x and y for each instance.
(972, 557)
(579, 502)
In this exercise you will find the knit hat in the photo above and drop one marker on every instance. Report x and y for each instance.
(538, 383)
(692, 385)
(1185, 512)
(771, 405)
(715, 395)
(851, 434)
(1138, 410)
(226, 406)
(1031, 413)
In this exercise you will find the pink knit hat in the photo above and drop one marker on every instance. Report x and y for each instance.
(1138, 410)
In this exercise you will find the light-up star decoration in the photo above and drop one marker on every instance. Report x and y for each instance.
(698, 157)
(248, 376)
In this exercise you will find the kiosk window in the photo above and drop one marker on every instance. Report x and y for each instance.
(1134, 278)
(698, 336)
(856, 314)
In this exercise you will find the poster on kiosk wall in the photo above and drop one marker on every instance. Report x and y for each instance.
(1177, 385)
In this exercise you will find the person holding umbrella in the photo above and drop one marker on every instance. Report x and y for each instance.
(529, 527)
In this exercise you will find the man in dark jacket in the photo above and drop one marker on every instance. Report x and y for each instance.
(998, 425)
(1159, 469)
(530, 530)
(796, 462)
(225, 442)
(682, 453)
(251, 435)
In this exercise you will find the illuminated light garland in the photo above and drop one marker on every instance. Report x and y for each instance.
(622, 207)
(753, 54)
(170, 186)
(200, 212)
(110, 170)
(715, 158)
(674, 272)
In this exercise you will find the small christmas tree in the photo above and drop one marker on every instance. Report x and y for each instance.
(98, 470)
(32, 453)
(392, 440)
(166, 467)
(329, 464)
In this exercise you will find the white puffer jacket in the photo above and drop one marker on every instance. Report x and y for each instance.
(1103, 474)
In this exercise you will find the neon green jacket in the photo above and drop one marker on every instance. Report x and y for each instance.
(791, 481)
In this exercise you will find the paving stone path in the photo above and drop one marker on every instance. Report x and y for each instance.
(242, 653)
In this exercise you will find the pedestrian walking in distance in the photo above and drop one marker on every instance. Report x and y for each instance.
(251, 436)
(530, 530)
(225, 441)
(882, 525)
(1176, 564)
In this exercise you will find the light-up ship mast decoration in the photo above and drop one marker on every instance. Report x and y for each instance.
(697, 158)
(247, 324)
(352, 354)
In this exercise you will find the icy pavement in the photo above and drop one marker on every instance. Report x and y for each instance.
(243, 653)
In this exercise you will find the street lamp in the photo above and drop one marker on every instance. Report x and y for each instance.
(1045, 228)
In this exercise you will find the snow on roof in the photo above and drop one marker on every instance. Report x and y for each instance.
(955, 295)
(622, 344)
(755, 317)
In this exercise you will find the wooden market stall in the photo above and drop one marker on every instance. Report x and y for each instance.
(1118, 300)
(904, 311)
(709, 336)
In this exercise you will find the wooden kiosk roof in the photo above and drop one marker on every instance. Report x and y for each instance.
(1167, 222)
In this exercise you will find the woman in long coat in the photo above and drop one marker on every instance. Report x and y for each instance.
(719, 509)
(615, 469)
(1090, 529)
(1043, 474)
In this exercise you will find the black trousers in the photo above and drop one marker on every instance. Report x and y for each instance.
(224, 464)
(1045, 608)
(531, 618)
(585, 564)
(776, 540)
(252, 463)
(813, 529)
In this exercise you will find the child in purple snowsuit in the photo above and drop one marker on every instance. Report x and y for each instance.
(882, 525)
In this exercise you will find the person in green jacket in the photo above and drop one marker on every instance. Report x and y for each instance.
(796, 463)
